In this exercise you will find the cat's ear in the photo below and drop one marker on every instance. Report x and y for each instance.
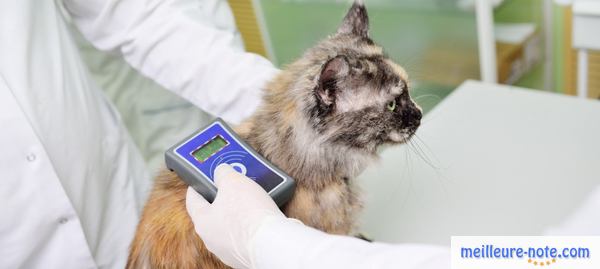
(335, 69)
(356, 21)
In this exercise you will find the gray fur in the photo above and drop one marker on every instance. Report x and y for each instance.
(356, 21)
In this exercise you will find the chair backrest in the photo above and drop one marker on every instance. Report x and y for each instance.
(251, 24)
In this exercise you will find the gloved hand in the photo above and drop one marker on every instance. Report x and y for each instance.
(228, 225)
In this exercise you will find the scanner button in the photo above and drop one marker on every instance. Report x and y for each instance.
(240, 168)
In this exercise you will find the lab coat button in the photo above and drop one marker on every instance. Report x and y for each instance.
(31, 157)
(63, 220)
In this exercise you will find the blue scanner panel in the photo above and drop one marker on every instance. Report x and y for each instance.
(229, 151)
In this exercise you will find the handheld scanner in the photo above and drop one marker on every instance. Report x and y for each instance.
(196, 157)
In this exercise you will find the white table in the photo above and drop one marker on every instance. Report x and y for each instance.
(509, 162)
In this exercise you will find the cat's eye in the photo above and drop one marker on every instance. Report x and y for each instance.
(391, 106)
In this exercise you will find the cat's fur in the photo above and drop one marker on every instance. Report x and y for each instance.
(321, 121)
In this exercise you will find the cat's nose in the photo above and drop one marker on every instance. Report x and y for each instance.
(418, 115)
(411, 118)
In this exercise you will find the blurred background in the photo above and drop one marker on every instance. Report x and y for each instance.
(435, 40)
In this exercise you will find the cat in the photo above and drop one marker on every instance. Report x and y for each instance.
(322, 120)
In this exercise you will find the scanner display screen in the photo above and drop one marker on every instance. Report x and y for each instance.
(210, 148)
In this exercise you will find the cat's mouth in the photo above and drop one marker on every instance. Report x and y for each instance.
(400, 136)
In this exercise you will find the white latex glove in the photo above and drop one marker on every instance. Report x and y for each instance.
(228, 225)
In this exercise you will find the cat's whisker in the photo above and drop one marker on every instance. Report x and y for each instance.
(441, 178)
(425, 151)
(421, 153)
(423, 142)
(412, 148)
(437, 97)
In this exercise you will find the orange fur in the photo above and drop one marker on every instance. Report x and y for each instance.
(165, 236)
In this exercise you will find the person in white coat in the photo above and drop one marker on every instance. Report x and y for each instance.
(71, 181)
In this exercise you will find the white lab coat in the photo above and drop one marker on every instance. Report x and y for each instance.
(288, 244)
(71, 181)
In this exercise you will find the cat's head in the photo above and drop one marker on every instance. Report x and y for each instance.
(351, 92)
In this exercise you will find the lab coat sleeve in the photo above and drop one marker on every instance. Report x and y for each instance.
(288, 244)
(170, 42)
